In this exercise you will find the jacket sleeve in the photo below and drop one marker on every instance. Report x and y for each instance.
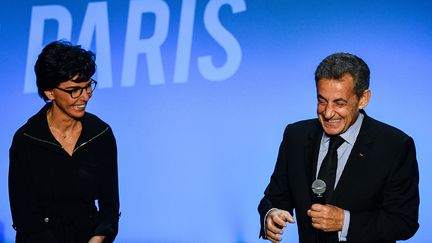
(277, 193)
(21, 195)
(397, 219)
(108, 191)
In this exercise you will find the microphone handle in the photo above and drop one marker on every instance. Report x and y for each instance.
(319, 199)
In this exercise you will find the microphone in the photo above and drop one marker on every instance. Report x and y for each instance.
(319, 188)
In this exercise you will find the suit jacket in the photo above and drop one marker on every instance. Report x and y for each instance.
(379, 184)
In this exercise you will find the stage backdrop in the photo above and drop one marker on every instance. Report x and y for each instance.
(198, 94)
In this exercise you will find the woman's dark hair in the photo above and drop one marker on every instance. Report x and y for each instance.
(339, 64)
(61, 61)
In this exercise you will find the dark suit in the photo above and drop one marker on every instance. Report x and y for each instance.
(379, 184)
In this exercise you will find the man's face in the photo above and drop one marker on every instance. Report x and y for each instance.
(338, 105)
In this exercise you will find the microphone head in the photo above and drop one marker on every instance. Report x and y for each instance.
(318, 187)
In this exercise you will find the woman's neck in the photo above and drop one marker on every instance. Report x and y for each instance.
(61, 123)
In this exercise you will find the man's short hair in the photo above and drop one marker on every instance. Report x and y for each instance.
(337, 65)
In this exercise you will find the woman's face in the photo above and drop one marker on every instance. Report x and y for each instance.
(63, 101)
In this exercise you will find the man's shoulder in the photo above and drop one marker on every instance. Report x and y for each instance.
(305, 124)
(383, 130)
(303, 128)
(384, 127)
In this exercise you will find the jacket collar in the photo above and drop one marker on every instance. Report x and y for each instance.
(37, 126)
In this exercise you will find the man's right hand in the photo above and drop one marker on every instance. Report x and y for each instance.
(275, 221)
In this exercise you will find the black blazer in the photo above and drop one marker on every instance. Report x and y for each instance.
(379, 184)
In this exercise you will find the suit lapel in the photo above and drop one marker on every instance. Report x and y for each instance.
(311, 154)
(359, 154)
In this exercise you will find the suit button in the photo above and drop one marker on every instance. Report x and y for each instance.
(46, 220)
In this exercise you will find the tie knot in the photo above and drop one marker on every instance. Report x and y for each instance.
(335, 142)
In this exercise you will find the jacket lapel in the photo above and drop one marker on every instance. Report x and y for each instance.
(359, 154)
(311, 154)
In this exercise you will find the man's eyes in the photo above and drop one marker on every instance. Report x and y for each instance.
(340, 104)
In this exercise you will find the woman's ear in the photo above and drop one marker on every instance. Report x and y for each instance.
(49, 94)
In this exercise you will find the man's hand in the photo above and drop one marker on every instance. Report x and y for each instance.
(275, 221)
(327, 217)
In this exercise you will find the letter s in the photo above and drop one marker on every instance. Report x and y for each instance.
(224, 38)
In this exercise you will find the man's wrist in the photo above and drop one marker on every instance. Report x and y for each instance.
(344, 232)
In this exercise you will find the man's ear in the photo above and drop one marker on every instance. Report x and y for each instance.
(364, 99)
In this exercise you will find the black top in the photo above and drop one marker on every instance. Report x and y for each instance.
(52, 194)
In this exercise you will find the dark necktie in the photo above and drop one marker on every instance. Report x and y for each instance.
(327, 172)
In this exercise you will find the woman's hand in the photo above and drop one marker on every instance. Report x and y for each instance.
(97, 239)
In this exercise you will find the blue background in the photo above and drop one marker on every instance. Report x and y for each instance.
(195, 157)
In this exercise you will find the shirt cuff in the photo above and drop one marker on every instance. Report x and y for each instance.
(265, 223)
(344, 233)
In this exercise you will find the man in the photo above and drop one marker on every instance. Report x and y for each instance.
(372, 189)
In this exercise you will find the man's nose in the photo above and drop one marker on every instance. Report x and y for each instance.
(328, 111)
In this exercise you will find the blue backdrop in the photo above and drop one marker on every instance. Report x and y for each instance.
(198, 94)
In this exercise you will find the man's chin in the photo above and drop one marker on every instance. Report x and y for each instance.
(332, 131)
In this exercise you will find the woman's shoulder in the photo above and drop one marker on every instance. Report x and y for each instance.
(35, 122)
(92, 119)
(93, 125)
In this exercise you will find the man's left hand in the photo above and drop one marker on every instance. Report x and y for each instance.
(327, 217)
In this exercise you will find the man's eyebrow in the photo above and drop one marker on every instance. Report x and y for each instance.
(340, 99)
(321, 97)
(336, 100)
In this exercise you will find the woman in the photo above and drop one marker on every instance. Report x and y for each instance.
(63, 158)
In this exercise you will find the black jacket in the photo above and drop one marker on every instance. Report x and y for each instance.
(52, 194)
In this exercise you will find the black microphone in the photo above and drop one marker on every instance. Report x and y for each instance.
(319, 188)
